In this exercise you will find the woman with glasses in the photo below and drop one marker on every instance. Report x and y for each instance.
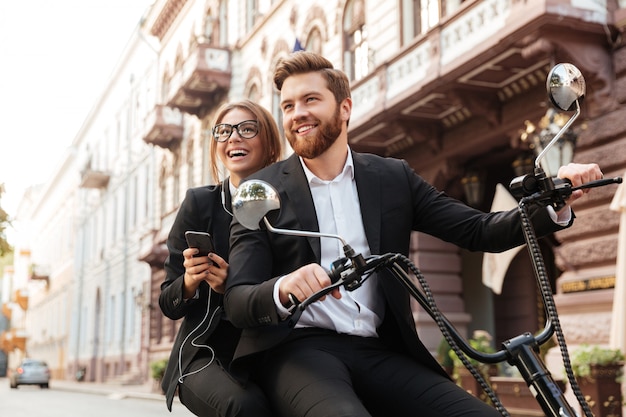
(245, 139)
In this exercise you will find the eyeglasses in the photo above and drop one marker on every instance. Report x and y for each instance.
(246, 129)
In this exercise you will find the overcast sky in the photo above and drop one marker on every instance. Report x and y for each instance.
(56, 57)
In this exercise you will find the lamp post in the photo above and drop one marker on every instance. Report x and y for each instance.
(562, 153)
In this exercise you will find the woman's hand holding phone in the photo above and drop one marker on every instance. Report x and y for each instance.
(205, 265)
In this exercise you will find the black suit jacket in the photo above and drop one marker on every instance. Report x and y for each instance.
(201, 210)
(394, 201)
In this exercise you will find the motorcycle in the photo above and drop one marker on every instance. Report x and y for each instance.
(566, 88)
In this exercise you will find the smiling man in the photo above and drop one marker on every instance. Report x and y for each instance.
(352, 353)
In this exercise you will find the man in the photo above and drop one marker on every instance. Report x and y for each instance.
(352, 353)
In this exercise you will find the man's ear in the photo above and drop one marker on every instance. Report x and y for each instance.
(346, 109)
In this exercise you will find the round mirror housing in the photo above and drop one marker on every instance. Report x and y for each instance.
(253, 200)
(566, 86)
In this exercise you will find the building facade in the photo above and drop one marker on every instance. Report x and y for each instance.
(454, 87)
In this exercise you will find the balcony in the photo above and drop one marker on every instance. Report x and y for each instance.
(92, 178)
(13, 339)
(152, 247)
(39, 273)
(165, 127)
(7, 311)
(21, 298)
(202, 81)
(472, 68)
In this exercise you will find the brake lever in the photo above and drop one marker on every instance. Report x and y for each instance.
(599, 183)
(562, 189)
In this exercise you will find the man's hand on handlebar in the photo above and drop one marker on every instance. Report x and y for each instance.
(304, 282)
(579, 174)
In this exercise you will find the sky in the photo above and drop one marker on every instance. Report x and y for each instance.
(56, 57)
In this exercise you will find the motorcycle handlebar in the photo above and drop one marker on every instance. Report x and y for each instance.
(350, 272)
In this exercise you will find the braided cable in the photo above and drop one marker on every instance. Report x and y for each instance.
(548, 299)
(443, 327)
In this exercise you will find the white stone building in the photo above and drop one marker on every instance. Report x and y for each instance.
(446, 85)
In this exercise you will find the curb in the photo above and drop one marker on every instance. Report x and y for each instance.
(115, 392)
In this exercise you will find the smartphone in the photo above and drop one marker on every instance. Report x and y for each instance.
(200, 240)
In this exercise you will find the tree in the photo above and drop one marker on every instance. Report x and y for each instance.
(5, 248)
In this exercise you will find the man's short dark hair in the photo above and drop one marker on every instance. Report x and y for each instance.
(303, 62)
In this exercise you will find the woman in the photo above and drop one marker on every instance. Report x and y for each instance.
(246, 139)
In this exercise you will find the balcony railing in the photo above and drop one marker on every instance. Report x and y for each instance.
(165, 127)
(476, 58)
(202, 81)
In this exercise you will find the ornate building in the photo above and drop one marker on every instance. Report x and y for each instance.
(454, 87)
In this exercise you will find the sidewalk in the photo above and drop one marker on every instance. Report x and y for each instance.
(144, 391)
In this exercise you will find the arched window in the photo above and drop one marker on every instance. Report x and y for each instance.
(253, 93)
(314, 41)
(356, 49)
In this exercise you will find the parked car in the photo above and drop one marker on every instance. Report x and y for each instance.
(30, 372)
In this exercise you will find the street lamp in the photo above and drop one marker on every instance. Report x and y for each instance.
(562, 152)
(473, 187)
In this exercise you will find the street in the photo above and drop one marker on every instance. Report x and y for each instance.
(32, 401)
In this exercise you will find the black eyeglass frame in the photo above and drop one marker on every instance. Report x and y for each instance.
(233, 128)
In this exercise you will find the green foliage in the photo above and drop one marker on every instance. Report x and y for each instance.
(5, 248)
(587, 355)
(157, 369)
(482, 342)
(443, 354)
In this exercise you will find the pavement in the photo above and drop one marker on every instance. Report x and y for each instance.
(119, 391)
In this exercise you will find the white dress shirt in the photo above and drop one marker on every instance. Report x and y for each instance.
(357, 312)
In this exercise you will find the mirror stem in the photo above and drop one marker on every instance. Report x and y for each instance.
(301, 232)
(557, 136)
(357, 259)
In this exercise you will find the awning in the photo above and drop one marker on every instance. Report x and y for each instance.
(618, 322)
(495, 265)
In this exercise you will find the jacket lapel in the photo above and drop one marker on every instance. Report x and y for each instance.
(368, 186)
(294, 183)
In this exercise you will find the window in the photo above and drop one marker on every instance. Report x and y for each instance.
(252, 11)
(222, 24)
(356, 53)
(190, 163)
(253, 93)
(134, 197)
(419, 16)
(163, 186)
(278, 116)
(314, 41)
(176, 182)
(411, 21)
(146, 192)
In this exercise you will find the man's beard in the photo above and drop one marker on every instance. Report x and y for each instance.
(312, 147)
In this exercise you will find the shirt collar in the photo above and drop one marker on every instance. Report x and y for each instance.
(348, 169)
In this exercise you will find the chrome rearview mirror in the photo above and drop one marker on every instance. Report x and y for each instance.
(253, 200)
(566, 88)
